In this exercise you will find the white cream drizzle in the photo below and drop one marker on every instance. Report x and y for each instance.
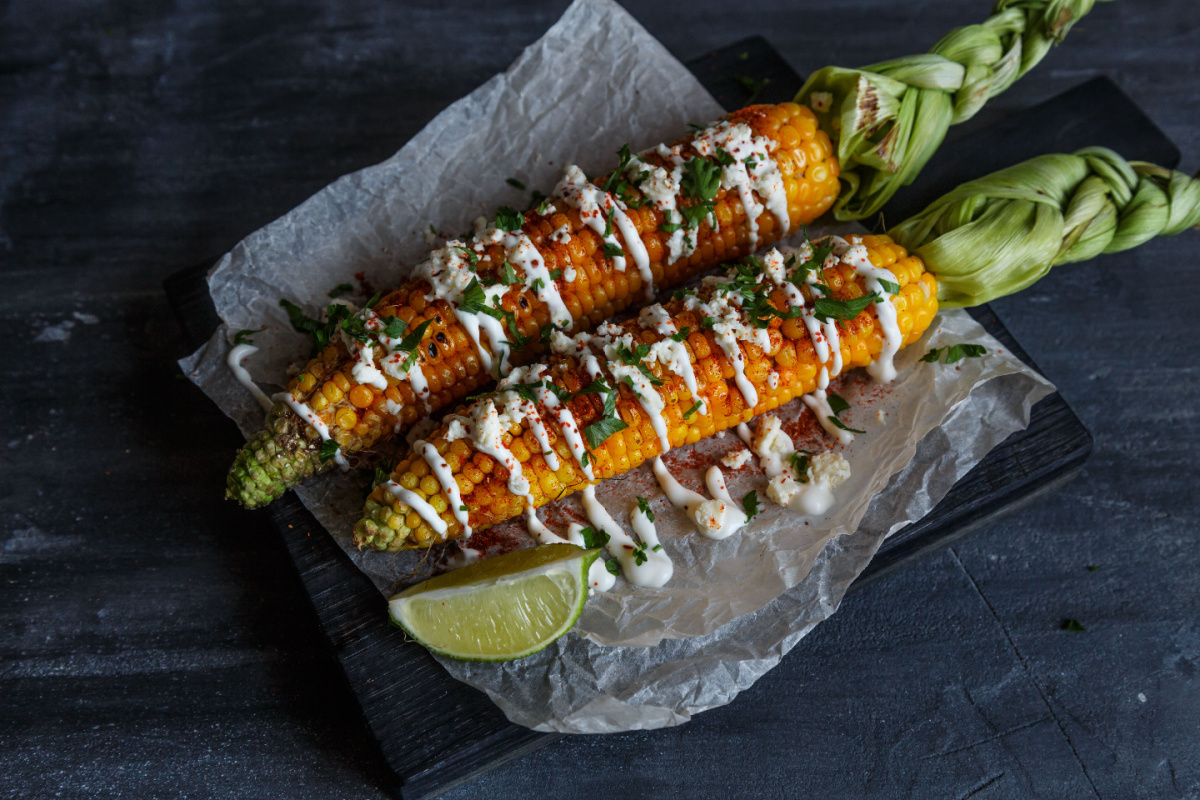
(308, 415)
(715, 519)
(595, 208)
(419, 505)
(445, 477)
(237, 355)
(739, 141)
(654, 571)
(882, 369)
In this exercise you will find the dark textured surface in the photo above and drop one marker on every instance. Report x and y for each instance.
(157, 643)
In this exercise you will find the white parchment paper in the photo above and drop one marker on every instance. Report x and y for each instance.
(638, 658)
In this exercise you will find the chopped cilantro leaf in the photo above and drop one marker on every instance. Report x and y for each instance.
(679, 336)
(1073, 625)
(837, 423)
(750, 504)
(393, 327)
(708, 322)
(724, 158)
(701, 179)
(598, 432)
(644, 507)
(699, 404)
(555, 274)
(615, 177)
(329, 449)
(639, 555)
(612, 567)
(613, 251)
(800, 464)
(954, 353)
(593, 537)
(508, 219)
(889, 287)
(383, 471)
(243, 336)
(562, 394)
(473, 298)
(837, 403)
(826, 308)
(374, 299)
(516, 184)
(472, 256)
(413, 339)
(340, 290)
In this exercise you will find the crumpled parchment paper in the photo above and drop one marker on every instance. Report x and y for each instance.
(638, 658)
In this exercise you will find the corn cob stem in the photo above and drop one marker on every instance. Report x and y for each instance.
(888, 119)
(745, 346)
(999, 234)
(487, 301)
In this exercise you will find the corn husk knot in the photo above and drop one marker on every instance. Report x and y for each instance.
(997, 235)
(889, 118)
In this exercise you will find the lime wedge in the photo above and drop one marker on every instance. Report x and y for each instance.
(500, 609)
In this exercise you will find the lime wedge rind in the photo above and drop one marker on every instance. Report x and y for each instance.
(500, 609)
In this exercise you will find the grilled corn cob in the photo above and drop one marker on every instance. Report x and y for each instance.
(563, 265)
(747, 347)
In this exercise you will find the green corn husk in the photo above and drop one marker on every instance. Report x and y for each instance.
(888, 119)
(999, 234)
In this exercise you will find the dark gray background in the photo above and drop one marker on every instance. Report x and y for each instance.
(154, 640)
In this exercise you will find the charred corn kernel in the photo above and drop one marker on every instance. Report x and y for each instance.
(447, 355)
(794, 361)
(361, 396)
(333, 393)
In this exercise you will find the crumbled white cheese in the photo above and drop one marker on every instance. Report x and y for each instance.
(782, 488)
(457, 430)
(772, 445)
(709, 516)
(737, 459)
(830, 469)
(562, 234)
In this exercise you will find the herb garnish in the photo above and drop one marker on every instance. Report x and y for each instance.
(826, 308)
(329, 449)
(243, 336)
(644, 507)
(750, 505)
(612, 567)
(509, 219)
(593, 537)
(516, 184)
(340, 290)
(699, 404)
(954, 353)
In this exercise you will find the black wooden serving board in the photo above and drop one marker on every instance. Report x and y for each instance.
(436, 733)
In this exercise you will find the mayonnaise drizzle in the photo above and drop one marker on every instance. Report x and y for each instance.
(764, 177)
(237, 355)
(654, 571)
(445, 477)
(419, 505)
(882, 368)
(716, 519)
(308, 415)
(596, 208)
